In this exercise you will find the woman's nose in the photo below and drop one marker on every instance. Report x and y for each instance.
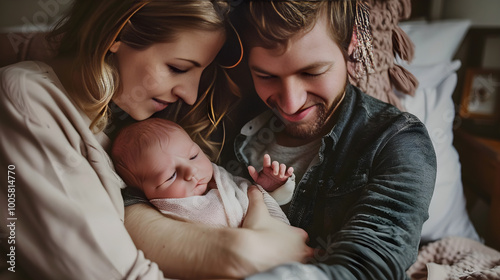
(188, 92)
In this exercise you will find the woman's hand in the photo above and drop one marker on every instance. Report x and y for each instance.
(270, 242)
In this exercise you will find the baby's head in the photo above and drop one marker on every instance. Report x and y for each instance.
(158, 157)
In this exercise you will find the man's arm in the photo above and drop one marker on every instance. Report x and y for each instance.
(383, 228)
(381, 233)
(187, 250)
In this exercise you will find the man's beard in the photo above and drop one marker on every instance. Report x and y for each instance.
(308, 130)
(321, 124)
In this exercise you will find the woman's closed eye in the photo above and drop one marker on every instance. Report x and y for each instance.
(193, 157)
(176, 69)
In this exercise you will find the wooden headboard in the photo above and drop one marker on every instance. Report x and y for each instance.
(420, 9)
(425, 9)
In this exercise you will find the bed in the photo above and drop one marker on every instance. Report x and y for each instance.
(451, 247)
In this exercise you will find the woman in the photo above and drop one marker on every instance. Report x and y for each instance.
(65, 207)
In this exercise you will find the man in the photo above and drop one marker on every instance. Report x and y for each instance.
(365, 171)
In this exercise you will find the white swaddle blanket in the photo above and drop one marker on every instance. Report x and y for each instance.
(224, 206)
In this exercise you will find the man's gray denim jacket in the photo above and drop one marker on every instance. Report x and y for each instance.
(364, 202)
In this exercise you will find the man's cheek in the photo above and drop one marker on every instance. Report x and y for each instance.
(262, 93)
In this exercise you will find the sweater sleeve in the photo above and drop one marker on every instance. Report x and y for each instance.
(273, 207)
(68, 220)
(284, 193)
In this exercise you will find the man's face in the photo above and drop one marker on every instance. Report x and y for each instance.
(303, 83)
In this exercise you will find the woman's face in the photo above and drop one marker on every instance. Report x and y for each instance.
(155, 77)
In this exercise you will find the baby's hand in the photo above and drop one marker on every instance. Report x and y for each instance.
(272, 174)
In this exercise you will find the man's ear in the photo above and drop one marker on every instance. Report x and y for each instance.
(114, 48)
(353, 43)
(352, 64)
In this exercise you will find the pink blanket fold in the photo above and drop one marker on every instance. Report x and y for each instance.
(456, 258)
(225, 206)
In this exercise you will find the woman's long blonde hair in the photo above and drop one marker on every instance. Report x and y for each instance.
(92, 26)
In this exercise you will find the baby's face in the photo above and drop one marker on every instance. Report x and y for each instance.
(175, 169)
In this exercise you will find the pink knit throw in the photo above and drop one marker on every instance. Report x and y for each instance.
(456, 258)
(388, 40)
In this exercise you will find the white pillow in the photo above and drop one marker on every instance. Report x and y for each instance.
(435, 41)
(433, 105)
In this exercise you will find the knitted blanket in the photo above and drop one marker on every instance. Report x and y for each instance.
(389, 40)
(456, 258)
(224, 206)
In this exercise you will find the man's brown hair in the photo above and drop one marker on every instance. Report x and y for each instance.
(271, 24)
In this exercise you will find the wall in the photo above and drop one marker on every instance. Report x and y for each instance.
(30, 15)
(483, 13)
(491, 57)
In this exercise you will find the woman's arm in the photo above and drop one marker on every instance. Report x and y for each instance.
(197, 251)
(65, 199)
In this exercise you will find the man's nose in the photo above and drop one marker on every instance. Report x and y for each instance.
(292, 96)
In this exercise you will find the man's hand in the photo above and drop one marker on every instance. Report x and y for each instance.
(272, 175)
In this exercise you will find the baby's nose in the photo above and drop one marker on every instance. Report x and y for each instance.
(191, 173)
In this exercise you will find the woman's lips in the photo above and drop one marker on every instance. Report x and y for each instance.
(300, 115)
(160, 104)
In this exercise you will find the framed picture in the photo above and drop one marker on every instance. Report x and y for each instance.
(481, 96)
